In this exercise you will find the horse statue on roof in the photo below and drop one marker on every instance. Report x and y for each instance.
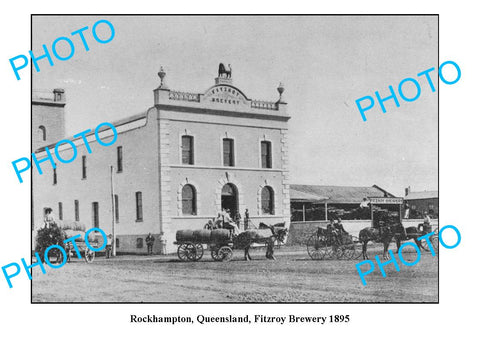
(223, 72)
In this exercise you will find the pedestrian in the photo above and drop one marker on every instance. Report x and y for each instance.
(108, 248)
(364, 208)
(407, 211)
(246, 219)
(150, 240)
(238, 219)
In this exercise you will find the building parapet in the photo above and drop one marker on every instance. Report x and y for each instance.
(222, 95)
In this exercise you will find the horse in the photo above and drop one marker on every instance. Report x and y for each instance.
(410, 233)
(247, 238)
(383, 235)
(223, 71)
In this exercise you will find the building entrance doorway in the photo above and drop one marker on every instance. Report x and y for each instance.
(230, 199)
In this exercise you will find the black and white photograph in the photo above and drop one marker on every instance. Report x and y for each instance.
(233, 159)
(239, 174)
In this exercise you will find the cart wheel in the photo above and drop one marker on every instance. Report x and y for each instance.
(225, 253)
(336, 251)
(358, 251)
(348, 251)
(433, 241)
(196, 253)
(214, 254)
(316, 247)
(55, 256)
(184, 250)
(89, 255)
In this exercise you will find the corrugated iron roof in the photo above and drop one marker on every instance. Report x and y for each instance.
(417, 195)
(337, 194)
(300, 196)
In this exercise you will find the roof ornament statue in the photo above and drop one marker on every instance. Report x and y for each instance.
(280, 90)
(161, 75)
(223, 72)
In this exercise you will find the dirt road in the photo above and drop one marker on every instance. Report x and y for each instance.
(293, 277)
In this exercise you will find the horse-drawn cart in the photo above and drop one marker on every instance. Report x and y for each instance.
(332, 244)
(57, 233)
(190, 244)
(221, 241)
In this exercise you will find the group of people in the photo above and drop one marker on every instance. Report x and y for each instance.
(224, 220)
(336, 228)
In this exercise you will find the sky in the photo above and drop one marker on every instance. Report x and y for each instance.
(325, 63)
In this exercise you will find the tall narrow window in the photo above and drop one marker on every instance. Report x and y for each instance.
(266, 154)
(187, 150)
(119, 159)
(54, 176)
(117, 215)
(60, 211)
(138, 199)
(189, 205)
(267, 200)
(43, 132)
(77, 210)
(228, 158)
(84, 167)
(95, 215)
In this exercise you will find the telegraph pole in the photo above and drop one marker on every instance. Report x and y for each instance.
(114, 245)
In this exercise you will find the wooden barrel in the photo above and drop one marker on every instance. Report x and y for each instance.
(220, 235)
(202, 236)
(184, 235)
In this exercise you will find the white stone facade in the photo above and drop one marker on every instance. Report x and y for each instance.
(152, 164)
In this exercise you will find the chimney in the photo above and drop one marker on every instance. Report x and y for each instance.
(407, 191)
(59, 95)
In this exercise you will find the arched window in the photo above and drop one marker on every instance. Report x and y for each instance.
(189, 204)
(267, 200)
(43, 132)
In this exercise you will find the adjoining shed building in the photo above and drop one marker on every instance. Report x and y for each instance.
(322, 202)
(422, 201)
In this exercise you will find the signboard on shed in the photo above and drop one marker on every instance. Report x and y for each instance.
(397, 201)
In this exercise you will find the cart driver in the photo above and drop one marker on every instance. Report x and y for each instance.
(427, 223)
(331, 229)
(229, 223)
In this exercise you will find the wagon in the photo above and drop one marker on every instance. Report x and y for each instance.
(60, 231)
(190, 244)
(324, 244)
